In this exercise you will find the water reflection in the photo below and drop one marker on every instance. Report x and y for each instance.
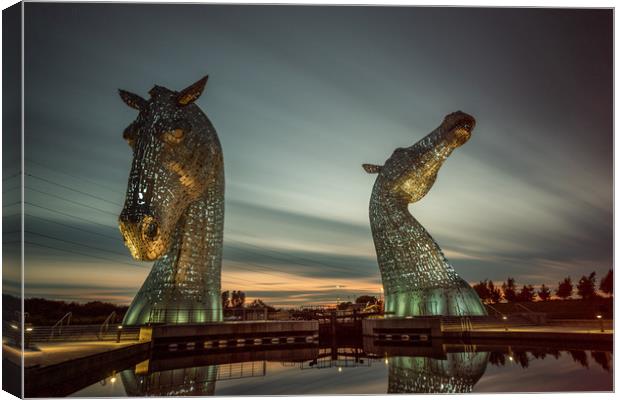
(194, 381)
(437, 368)
(458, 373)
(523, 358)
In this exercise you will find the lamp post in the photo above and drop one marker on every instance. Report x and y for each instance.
(27, 336)
(118, 333)
(600, 318)
(505, 319)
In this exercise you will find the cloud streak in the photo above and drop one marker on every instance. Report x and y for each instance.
(298, 110)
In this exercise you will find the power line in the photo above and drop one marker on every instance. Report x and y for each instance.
(312, 263)
(29, 161)
(5, 190)
(76, 243)
(83, 254)
(97, 257)
(66, 215)
(73, 227)
(12, 176)
(71, 201)
(74, 190)
(286, 257)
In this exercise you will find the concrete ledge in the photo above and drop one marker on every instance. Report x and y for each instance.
(233, 332)
(535, 335)
(608, 324)
(402, 326)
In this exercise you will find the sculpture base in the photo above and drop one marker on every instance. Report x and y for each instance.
(458, 300)
(143, 312)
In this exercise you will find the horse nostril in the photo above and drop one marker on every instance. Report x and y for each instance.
(150, 229)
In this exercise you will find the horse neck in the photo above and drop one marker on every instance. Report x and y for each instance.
(197, 245)
(407, 254)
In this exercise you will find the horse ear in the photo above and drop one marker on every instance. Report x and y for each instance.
(132, 100)
(372, 168)
(192, 92)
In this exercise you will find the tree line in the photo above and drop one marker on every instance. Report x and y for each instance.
(46, 312)
(585, 288)
(236, 299)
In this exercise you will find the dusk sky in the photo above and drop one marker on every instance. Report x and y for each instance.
(301, 97)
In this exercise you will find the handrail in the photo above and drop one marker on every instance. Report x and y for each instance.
(59, 324)
(106, 324)
(495, 310)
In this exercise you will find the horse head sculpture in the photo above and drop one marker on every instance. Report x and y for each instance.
(174, 206)
(411, 172)
(417, 278)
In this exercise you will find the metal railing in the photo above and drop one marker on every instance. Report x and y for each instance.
(495, 310)
(105, 326)
(62, 322)
(82, 333)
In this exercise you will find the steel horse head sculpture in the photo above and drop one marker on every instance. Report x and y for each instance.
(417, 278)
(174, 207)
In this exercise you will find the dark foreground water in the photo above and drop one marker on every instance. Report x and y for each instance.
(368, 369)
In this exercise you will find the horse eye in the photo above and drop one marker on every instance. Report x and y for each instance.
(174, 136)
(129, 137)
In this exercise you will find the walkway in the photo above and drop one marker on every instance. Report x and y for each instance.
(50, 353)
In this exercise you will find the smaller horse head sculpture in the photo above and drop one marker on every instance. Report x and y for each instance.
(176, 158)
(410, 172)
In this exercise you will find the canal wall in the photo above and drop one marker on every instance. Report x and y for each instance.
(420, 329)
(230, 334)
(64, 378)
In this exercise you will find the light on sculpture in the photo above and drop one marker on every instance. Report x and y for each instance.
(174, 207)
(417, 278)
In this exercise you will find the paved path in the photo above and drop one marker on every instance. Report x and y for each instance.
(50, 353)
(550, 329)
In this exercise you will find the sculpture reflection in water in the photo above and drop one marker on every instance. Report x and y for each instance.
(417, 278)
(457, 373)
(174, 207)
(192, 381)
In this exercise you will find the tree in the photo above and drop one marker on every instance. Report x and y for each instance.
(366, 299)
(238, 298)
(526, 294)
(344, 306)
(565, 288)
(544, 293)
(226, 299)
(483, 290)
(509, 289)
(494, 292)
(586, 287)
(259, 304)
(607, 283)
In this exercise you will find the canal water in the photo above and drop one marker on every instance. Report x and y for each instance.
(368, 369)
